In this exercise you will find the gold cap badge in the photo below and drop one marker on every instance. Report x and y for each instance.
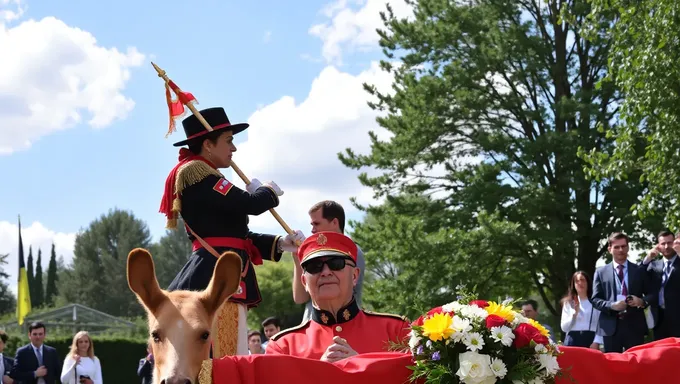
(321, 240)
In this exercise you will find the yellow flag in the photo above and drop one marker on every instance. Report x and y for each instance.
(23, 295)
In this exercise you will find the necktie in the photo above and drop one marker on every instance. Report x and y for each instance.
(40, 357)
(624, 289)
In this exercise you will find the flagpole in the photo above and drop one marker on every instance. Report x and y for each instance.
(177, 90)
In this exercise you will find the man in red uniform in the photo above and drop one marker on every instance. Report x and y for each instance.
(338, 328)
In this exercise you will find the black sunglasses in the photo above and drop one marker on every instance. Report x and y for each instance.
(315, 266)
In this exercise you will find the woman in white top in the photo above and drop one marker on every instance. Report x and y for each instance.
(579, 319)
(81, 366)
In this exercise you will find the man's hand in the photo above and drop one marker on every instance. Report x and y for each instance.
(7, 380)
(274, 187)
(651, 255)
(636, 302)
(595, 346)
(289, 243)
(41, 371)
(253, 186)
(338, 350)
(619, 305)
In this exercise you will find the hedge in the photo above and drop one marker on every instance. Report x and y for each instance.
(119, 356)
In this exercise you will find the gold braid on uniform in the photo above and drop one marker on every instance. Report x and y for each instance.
(188, 175)
(205, 374)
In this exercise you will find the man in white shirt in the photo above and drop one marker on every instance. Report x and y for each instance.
(36, 363)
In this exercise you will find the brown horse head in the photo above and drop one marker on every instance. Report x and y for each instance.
(180, 321)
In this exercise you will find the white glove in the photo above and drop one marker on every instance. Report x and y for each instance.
(288, 243)
(253, 186)
(274, 187)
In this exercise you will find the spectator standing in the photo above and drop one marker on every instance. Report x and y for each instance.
(579, 317)
(81, 366)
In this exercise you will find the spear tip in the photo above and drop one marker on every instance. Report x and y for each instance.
(158, 69)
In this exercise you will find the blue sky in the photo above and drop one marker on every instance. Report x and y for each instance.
(298, 85)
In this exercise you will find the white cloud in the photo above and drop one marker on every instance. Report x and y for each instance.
(296, 144)
(354, 29)
(51, 74)
(37, 236)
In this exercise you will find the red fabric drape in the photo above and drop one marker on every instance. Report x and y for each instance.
(654, 362)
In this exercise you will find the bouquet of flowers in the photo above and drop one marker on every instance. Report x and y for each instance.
(481, 342)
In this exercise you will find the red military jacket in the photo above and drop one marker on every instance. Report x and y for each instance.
(364, 331)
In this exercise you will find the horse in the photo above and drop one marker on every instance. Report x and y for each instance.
(180, 321)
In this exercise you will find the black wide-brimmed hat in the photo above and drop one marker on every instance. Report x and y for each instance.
(216, 118)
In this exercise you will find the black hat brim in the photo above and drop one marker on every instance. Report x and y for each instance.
(236, 128)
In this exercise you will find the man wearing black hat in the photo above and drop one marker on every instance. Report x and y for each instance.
(215, 213)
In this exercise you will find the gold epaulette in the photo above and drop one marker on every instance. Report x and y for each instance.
(187, 175)
(289, 330)
(399, 317)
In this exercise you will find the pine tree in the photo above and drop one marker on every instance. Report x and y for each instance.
(51, 287)
(29, 272)
(39, 290)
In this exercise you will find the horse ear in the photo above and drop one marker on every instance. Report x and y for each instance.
(225, 281)
(142, 281)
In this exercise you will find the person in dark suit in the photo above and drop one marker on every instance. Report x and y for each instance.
(5, 362)
(145, 369)
(620, 293)
(36, 363)
(665, 273)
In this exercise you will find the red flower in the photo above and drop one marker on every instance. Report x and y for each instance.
(418, 322)
(525, 333)
(480, 303)
(434, 310)
(494, 321)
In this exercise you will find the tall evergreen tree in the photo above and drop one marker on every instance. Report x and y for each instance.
(99, 261)
(30, 274)
(38, 281)
(7, 299)
(491, 103)
(51, 287)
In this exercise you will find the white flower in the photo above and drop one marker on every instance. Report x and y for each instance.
(502, 335)
(536, 380)
(413, 341)
(450, 307)
(460, 327)
(473, 312)
(498, 367)
(540, 348)
(549, 363)
(475, 368)
(519, 319)
(474, 341)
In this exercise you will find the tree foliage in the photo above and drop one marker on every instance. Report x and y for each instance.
(39, 291)
(171, 253)
(100, 257)
(275, 284)
(645, 52)
(490, 103)
(51, 286)
(7, 300)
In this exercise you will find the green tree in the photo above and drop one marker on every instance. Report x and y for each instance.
(171, 253)
(30, 275)
(7, 299)
(644, 58)
(51, 287)
(38, 282)
(491, 101)
(275, 282)
(98, 268)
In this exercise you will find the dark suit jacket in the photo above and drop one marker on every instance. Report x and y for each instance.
(671, 291)
(26, 362)
(145, 371)
(604, 295)
(9, 362)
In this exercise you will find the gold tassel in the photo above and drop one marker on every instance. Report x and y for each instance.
(192, 173)
(172, 223)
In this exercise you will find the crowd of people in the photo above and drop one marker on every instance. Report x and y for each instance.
(38, 363)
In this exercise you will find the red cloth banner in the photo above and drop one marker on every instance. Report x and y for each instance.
(654, 362)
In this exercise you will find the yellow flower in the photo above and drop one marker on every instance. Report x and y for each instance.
(501, 310)
(438, 327)
(540, 328)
